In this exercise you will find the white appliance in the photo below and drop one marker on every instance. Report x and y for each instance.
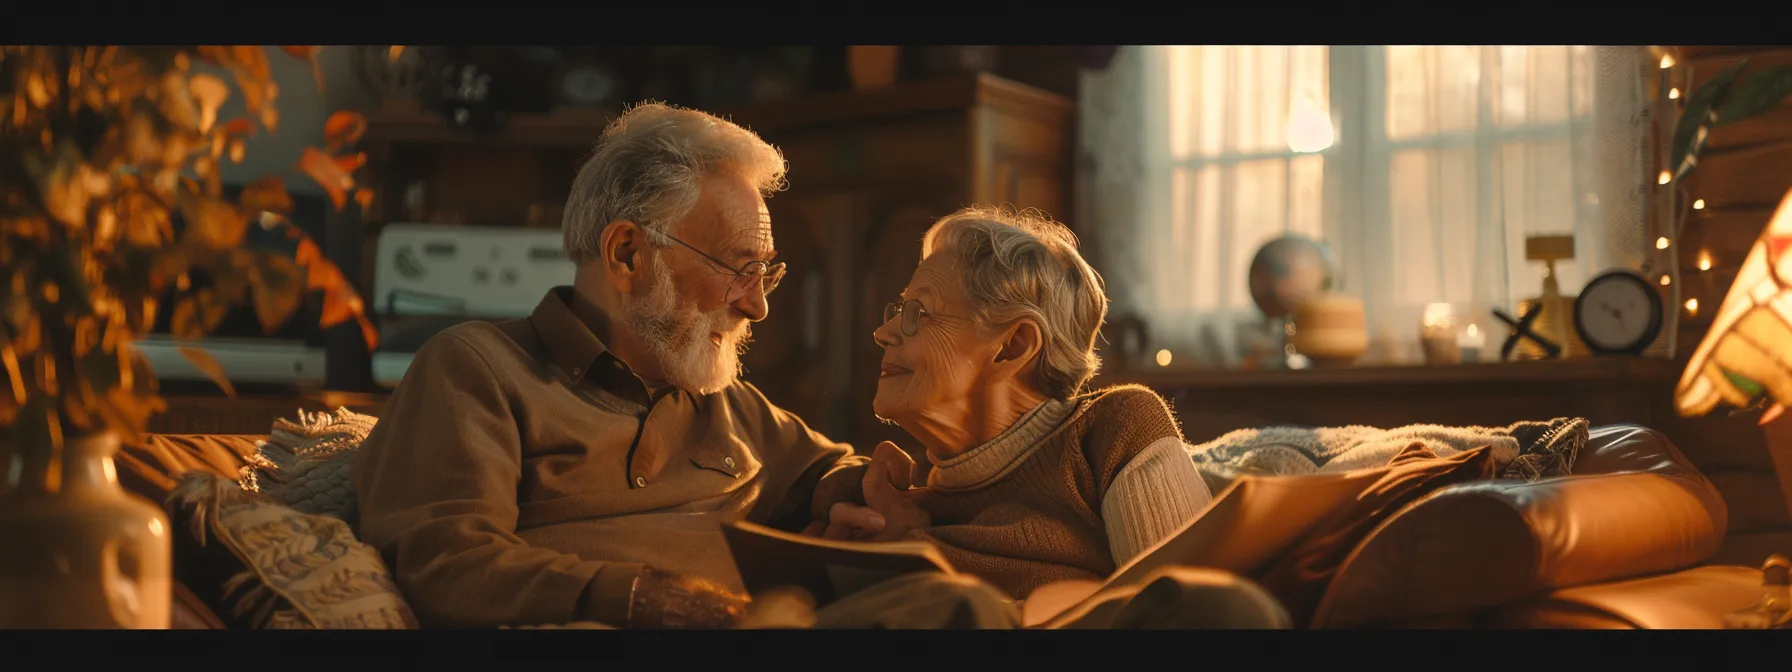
(244, 360)
(429, 277)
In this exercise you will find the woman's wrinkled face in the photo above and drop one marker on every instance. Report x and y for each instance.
(937, 367)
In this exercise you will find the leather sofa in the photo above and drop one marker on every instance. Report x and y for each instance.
(1620, 544)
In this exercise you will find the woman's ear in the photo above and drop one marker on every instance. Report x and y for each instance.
(622, 249)
(1022, 345)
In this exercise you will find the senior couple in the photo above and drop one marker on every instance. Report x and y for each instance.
(576, 466)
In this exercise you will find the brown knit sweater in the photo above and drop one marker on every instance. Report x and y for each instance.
(1037, 518)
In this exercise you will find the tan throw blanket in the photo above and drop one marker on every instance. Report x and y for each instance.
(306, 464)
(1523, 450)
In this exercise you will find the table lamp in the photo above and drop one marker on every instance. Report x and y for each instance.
(1745, 361)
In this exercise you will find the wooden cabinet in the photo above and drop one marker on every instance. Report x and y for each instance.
(870, 171)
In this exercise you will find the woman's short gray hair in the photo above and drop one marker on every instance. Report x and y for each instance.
(1024, 265)
(646, 168)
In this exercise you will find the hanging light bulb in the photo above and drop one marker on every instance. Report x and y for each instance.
(1661, 243)
(1665, 281)
(1163, 358)
(1665, 177)
(1704, 261)
(1692, 306)
(1698, 204)
(1309, 128)
(1667, 61)
(1674, 93)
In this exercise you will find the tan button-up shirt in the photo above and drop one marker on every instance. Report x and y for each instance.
(521, 474)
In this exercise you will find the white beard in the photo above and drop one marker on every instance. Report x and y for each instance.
(678, 337)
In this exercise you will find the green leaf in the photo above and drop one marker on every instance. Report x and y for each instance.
(1696, 120)
(1761, 92)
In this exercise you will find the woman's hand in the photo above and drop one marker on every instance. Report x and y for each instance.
(889, 493)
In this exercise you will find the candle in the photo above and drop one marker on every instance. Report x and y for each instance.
(1470, 342)
(1437, 334)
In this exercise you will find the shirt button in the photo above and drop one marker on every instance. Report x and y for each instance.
(640, 481)
(728, 461)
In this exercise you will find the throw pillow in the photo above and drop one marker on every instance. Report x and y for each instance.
(298, 570)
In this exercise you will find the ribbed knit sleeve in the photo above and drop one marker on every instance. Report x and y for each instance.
(1154, 495)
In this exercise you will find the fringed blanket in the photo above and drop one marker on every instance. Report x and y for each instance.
(306, 464)
(1522, 450)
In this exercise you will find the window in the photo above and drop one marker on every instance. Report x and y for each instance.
(1424, 168)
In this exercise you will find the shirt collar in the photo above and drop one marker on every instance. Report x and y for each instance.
(570, 343)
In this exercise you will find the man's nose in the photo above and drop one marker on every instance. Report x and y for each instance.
(752, 303)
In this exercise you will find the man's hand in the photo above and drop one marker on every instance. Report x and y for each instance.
(890, 494)
(669, 601)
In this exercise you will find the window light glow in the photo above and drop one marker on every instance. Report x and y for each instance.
(1309, 129)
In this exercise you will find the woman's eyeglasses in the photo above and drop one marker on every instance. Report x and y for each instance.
(911, 312)
(764, 275)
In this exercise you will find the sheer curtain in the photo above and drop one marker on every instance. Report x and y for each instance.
(1424, 168)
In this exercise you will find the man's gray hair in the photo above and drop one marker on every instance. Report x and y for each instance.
(1024, 265)
(646, 168)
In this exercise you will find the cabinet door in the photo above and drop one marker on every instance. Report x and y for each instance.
(892, 248)
(796, 358)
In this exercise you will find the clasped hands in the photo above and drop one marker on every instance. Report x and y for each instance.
(890, 511)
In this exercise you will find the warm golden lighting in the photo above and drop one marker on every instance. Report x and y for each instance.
(1698, 204)
(1674, 93)
(1667, 61)
(1661, 243)
(1692, 306)
(1665, 281)
(1665, 177)
(1163, 358)
(1704, 261)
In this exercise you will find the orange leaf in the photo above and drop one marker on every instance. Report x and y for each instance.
(267, 194)
(276, 289)
(209, 93)
(364, 198)
(207, 364)
(341, 303)
(328, 174)
(303, 53)
(344, 128)
(212, 223)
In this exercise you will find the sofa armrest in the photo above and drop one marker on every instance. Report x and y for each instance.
(1635, 506)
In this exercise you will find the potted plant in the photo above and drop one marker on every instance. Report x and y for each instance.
(110, 201)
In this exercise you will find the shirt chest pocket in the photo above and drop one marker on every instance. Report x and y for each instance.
(728, 456)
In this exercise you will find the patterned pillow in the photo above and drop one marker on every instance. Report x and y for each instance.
(299, 570)
(305, 464)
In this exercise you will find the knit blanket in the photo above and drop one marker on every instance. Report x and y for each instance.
(1527, 450)
(305, 464)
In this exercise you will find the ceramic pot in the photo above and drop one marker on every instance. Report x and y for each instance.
(1330, 329)
(80, 551)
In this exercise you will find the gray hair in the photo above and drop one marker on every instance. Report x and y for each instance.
(1024, 265)
(646, 168)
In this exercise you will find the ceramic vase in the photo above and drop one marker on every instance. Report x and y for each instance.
(1330, 329)
(80, 552)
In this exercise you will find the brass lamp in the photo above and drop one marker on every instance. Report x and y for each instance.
(1745, 361)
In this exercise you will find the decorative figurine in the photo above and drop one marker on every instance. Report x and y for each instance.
(1522, 329)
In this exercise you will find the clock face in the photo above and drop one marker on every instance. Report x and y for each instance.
(587, 86)
(1617, 313)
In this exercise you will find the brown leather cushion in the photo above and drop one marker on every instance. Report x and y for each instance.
(1634, 507)
(1299, 577)
(1687, 600)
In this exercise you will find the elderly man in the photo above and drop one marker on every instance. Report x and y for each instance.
(576, 465)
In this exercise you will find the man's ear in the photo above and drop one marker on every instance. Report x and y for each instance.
(622, 248)
(1022, 345)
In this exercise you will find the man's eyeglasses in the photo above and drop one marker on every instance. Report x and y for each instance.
(763, 275)
(911, 312)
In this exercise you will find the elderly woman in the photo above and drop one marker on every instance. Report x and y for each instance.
(1034, 479)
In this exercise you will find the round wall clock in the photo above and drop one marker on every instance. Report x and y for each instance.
(1618, 313)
